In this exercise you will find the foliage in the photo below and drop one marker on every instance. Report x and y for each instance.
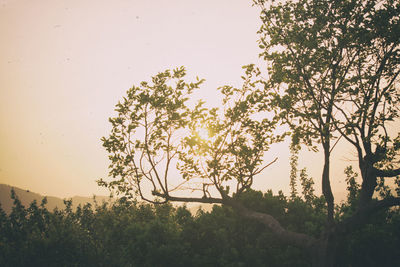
(333, 74)
(146, 133)
(379, 229)
(333, 69)
(131, 234)
(157, 130)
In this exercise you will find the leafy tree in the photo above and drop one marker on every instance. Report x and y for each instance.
(333, 74)
(155, 128)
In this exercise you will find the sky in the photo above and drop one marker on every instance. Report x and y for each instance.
(65, 64)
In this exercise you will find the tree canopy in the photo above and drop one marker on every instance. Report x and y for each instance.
(157, 130)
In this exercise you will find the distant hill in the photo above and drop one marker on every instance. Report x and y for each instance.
(27, 197)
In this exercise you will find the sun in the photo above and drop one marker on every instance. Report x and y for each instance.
(203, 133)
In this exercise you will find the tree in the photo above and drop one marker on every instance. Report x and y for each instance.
(155, 129)
(333, 75)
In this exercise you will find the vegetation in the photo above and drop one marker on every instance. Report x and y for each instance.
(333, 74)
(128, 233)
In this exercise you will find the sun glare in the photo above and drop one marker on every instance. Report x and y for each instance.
(203, 133)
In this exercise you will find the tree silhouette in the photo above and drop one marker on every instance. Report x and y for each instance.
(333, 74)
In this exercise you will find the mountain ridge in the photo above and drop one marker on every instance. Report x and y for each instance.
(26, 197)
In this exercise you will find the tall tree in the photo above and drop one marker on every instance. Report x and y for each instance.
(334, 73)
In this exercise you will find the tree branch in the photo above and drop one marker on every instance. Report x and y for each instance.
(298, 239)
(209, 200)
(387, 173)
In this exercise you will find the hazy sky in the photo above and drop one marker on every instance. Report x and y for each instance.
(64, 64)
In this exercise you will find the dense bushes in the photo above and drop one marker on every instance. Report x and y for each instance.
(132, 234)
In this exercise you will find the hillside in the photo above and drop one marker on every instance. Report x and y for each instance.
(27, 197)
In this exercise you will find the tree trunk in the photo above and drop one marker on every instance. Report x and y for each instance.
(368, 184)
(326, 187)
